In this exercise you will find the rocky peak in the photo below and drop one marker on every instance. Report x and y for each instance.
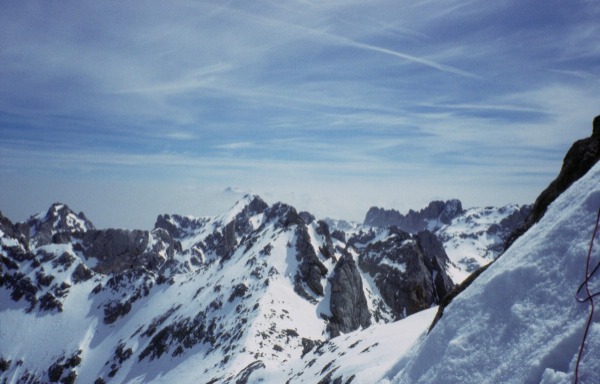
(450, 210)
(58, 220)
(413, 222)
(283, 215)
(254, 206)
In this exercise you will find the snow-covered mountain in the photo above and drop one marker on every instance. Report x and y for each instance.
(472, 237)
(254, 292)
(218, 299)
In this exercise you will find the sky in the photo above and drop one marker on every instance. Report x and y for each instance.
(128, 109)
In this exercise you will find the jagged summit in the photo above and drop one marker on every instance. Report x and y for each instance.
(472, 237)
(431, 217)
(58, 220)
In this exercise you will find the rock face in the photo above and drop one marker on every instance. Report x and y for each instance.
(19, 231)
(178, 226)
(436, 262)
(56, 225)
(348, 304)
(310, 269)
(255, 206)
(435, 214)
(579, 160)
(327, 249)
(408, 270)
(117, 250)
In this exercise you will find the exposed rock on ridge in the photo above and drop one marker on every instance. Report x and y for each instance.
(56, 225)
(348, 304)
(408, 270)
(413, 221)
(117, 250)
(311, 269)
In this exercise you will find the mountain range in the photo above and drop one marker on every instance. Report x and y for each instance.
(264, 293)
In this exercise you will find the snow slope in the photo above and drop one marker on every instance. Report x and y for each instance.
(519, 321)
(362, 356)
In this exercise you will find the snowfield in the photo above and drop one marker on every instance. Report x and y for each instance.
(365, 355)
(257, 295)
(519, 321)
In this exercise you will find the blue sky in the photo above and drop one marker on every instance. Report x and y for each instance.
(125, 110)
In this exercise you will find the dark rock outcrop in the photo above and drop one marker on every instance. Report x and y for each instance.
(436, 261)
(283, 215)
(582, 156)
(81, 273)
(179, 226)
(222, 242)
(255, 206)
(57, 224)
(19, 231)
(348, 304)
(243, 376)
(229, 240)
(117, 250)
(413, 221)
(311, 269)
(307, 217)
(327, 249)
(408, 270)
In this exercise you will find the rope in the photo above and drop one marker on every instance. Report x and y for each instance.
(589, 297)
